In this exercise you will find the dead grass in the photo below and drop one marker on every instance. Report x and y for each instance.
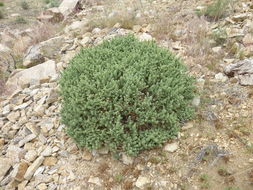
(217, 9)
(124, 13)
(40, 33)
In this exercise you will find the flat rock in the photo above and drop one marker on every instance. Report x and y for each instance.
(20, 170)
(67, 6)
(243, 70)
(50, 161)
(95, 180)
(13, 116)
(36, 54)
(5, 165)
(145, 37)
(33, 167)
(171, 147)
(142, 181)
(127, 159)
(41, 73)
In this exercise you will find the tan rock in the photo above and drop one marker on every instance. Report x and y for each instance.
(67, 7)
(13, 116)
(42, 73)
(87, 155)
(38, 53)
(127, 159)
(52, 96)
(31, 155)
(142, 181)
(32, 168)
(172, 147)
(20, 170)
(5, 165)
(22, 185)
(136, 28)
(248, 39)
(26, 139)
(50, 161)
(42, 186)
(95, 180)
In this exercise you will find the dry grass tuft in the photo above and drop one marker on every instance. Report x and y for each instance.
(124, 13)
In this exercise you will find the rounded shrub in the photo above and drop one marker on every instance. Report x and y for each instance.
(125, 95)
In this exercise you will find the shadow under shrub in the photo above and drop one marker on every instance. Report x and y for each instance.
(125, 95)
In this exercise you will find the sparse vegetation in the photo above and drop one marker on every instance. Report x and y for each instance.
(132, 111)
(1, 4)
(24, 5)
(216, 10)
(1, 14)
(204, 178)
(52, 3)
(21, 20)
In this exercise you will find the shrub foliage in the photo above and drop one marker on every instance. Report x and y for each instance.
(125, 95)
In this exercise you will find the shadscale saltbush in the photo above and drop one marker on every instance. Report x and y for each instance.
(125, 95)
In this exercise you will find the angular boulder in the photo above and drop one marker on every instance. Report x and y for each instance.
(36, 54)
(67, 6)
(38, 74)
(243, 70)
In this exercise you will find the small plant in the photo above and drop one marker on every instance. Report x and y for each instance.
(223, 172)
(25, 5)
(1, 4)
(131, 98)
(20, 20)
(1, 14)
(219, 35)
(204, 178)
(231, 188)
(217, 10)
(118, 178)
(52, 3)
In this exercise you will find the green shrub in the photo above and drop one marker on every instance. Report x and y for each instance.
(24, 5)
(217, 10)
(125, 95)
(1, 4)
(21, 20)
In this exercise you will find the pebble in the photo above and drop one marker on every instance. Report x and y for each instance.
(171, 147)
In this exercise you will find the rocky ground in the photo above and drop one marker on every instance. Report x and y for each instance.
(213, 151)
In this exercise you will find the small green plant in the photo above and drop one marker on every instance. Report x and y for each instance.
(21, 20)
(219, 35)
(217, 10)
(25, 5)
(231, 188)
(204, 178)
(1, 14)
(125, 95)
(1, 4)
(52, 3)
(118, 178)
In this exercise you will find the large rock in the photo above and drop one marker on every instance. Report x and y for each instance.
(36, 54)
(243, 70)
(33, 167)
(4, 167)
(38, 74)
(67, 6)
